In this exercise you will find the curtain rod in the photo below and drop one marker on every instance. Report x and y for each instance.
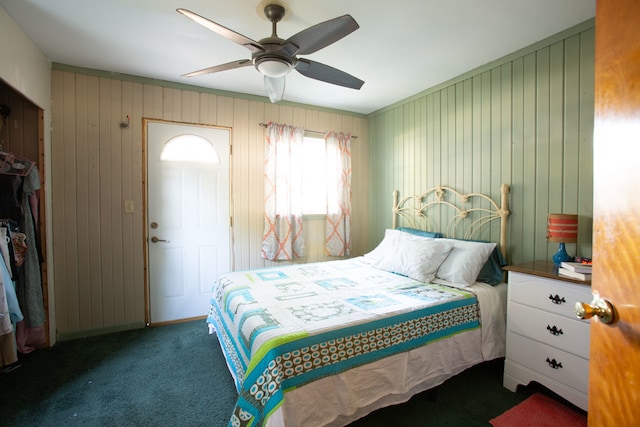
(264, 125)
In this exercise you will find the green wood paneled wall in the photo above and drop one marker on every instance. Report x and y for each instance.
(525, 120)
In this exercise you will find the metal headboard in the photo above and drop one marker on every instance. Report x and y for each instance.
(452, 213)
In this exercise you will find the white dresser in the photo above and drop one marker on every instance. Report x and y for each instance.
(546, 342)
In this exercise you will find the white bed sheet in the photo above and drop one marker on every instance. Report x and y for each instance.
(340, 399)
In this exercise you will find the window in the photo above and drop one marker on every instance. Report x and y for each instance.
(314, 182)
(189, 148)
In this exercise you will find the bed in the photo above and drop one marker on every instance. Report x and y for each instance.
(327, 343)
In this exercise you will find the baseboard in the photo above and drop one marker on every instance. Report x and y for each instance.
(99, 331)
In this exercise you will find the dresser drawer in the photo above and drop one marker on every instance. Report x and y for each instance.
(551, 362)
(567, 334)
(547, 294)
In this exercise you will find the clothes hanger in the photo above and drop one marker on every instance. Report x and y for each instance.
(15, 165)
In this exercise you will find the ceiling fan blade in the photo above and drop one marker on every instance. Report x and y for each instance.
(325, 73)
(222, 67)
(275, 88)
(225, 32)
(322, 35)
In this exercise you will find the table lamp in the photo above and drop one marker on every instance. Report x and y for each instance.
(562, 228)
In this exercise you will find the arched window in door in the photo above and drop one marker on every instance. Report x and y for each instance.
(189, 148)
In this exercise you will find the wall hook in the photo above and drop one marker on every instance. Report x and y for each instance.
(125, 124)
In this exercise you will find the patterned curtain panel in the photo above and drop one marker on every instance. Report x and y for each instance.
(283, 238)
(338, 225)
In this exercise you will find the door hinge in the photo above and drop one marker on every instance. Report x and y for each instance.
(230, 221)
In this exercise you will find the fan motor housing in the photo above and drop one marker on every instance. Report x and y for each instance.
(273, 65)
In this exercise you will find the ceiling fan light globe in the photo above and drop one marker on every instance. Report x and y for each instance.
(274, 88)
(274, 68)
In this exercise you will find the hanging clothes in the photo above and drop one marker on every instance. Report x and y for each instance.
(6, 326)
(22, 306)
(4, 247)
(8, 228)
(15, 313)
(30, 332)
(9, 314)
(19, 189)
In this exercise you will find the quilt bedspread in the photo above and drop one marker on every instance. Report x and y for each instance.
(283, 327)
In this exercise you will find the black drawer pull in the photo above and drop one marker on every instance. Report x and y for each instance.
(557, 299)
(554, 364)
(554, 330)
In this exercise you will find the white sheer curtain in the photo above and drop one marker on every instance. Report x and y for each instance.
(338, 223)
(283, 237)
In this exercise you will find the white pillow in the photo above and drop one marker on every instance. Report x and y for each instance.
(392, 239)
(465, 261)
(416, 259)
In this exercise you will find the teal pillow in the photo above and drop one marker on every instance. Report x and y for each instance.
(491, 272)
(422, 233)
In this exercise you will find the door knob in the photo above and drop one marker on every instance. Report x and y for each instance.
(599, 307)
(154, 239)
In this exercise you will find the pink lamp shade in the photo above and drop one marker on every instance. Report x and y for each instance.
(562, 228)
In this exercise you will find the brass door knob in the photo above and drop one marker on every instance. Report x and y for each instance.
(600, 308)
(154, 239)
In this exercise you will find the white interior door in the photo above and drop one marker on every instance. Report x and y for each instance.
(188, 217)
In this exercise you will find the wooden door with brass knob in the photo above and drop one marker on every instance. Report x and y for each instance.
(614, 378)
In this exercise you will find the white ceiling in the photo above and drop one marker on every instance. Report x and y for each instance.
(400, 49)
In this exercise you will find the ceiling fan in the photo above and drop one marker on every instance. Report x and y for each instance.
(275, 57)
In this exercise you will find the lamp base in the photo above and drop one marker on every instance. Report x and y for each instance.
(560, 256)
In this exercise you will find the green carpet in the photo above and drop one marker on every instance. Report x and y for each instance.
(176, 375)
(169, 375)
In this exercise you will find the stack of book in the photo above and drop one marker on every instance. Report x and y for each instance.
(575, 270)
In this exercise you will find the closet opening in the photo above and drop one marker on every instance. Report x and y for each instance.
(24, 312)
